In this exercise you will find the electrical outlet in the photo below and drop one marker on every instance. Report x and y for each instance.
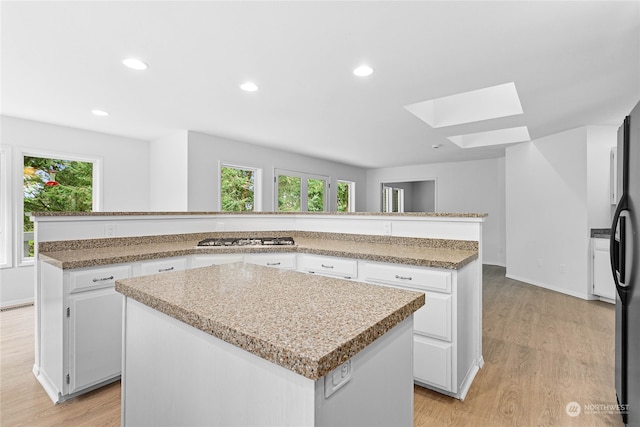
(109, 230)
(387, 228)
(563, 268)
(337, 378)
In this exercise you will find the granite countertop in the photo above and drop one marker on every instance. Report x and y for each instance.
(600, 233)
(438, 253)
(308, 324)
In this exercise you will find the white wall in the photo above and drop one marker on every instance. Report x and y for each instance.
(473, 186)
(207, 151)
(168, 163)
(557, 190)
(600, 140)
(125, 181)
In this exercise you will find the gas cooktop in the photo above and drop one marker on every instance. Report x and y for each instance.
(247, 241)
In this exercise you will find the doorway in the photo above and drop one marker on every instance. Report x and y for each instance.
(409, 196)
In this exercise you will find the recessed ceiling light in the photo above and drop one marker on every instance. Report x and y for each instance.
(99, 113)
(249, 87)
(135, 64)
(363, 71)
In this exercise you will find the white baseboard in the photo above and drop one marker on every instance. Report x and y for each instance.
(16, 303)
(580, 295)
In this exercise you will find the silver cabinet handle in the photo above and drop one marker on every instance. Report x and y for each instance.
(162, 270)
(273, 263)
(104, 279)
(326, 266)
(403, 277)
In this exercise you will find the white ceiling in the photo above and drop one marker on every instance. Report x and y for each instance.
(573, 63)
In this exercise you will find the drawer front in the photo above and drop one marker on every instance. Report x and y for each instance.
(286, 261)
(432, 362)
(347, 268)
(209, 260)
(434, 318)
(95, 278)
(163, 266)
(416, 278)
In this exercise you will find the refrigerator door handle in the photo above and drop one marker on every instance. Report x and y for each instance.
(617, 249)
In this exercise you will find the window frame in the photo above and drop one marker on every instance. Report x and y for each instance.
(352, 194)
(6, 257)
(97, 191)
(257, 183)
(304, 190)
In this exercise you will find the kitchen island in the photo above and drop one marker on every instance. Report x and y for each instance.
(241, 344)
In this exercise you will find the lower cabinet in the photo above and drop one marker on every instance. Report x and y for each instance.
(95, 338)
(603, 284)
(81, 316)
(447, 329)
(80, 329)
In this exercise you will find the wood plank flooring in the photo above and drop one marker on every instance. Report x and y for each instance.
(542, 350)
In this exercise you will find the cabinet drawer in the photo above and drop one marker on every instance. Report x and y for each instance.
(95, 278)
(432, 362)
(412, 277)
(209, 260)
(347, 268)
(163, 266)
(434, 318)
(287, 261)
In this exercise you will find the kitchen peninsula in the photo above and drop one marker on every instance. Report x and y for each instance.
(81, 256)
(242, 344)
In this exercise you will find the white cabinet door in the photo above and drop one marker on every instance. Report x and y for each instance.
(434, 318)
(603, 284)
(432, 362)
(95, 337)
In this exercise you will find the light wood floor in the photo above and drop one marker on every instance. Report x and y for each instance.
(542, 350)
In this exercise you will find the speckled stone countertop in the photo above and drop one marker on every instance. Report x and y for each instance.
(419, 214)
(438, 253)
(600, 233)
(308, 324)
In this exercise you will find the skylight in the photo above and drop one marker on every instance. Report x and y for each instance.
(482, 104)
(494, 137)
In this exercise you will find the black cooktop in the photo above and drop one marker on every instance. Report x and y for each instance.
(247, 241)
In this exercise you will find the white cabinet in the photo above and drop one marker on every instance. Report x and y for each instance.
(329, 266)
(447, 329)
(81, 329)
(95, 338)
(279, 260)
(603, 284)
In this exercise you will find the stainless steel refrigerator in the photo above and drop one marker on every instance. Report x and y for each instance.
(625, 265)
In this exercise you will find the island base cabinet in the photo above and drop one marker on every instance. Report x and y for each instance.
(95, 338)
(174, 374)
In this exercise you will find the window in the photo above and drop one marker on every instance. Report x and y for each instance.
(300, 192)
(239, 189)
(346, 196)
(5, 218)
(392, 199)
(54, 185)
